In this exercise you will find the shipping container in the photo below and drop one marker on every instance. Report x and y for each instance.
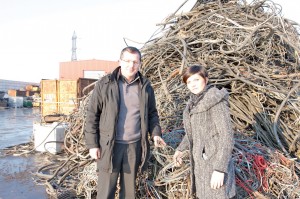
(32, 88)
(62, 97)
(16, 93)
(67, 96)
(49, 97)
(3, 103)
(16, 102)
(85, 85)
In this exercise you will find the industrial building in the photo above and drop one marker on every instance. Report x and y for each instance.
(91, 69)
(6, 85)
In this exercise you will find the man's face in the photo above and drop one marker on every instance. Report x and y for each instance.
(130, 64)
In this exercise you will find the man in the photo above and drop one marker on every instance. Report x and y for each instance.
(120, 115)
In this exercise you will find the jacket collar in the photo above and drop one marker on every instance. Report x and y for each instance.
(212, 97)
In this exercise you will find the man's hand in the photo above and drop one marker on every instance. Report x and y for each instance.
(217, 180)
(158, 141)
(95, 153)
(177, 158)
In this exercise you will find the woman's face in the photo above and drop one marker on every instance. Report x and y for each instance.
(196, 83)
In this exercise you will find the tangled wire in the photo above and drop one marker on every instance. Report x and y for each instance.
(248, 49)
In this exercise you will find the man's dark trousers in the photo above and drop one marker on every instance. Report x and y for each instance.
(126, 159)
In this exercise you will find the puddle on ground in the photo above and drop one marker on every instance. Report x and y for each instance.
(16, 178)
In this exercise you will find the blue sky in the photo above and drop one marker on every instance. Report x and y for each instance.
(35, 35)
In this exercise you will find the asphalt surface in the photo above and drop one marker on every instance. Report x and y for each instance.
(16, 178)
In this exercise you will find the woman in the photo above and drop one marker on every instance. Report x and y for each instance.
(208, 136)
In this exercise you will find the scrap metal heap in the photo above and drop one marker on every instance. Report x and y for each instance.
(247, 48)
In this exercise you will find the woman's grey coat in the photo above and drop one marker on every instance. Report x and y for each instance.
(209, 137)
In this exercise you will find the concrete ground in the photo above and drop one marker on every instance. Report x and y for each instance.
(16, 179)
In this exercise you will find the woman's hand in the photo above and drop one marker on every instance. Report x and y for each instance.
(95, 153)
(158, 141)
(177, 158)
(217, 180)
